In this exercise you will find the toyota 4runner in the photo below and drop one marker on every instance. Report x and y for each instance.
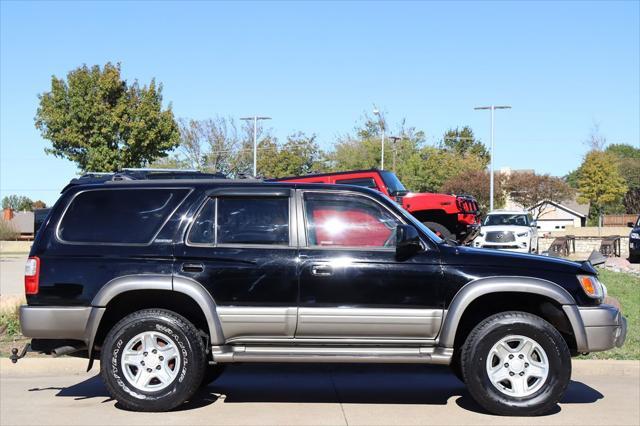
(167, 281)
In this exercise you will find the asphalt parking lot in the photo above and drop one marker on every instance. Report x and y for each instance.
(47, 391)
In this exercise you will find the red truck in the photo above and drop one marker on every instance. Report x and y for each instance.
(453, 217)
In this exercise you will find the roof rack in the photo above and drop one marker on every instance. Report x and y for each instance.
(141, 174)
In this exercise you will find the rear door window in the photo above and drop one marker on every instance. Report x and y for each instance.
(242, 220)
(126, 216)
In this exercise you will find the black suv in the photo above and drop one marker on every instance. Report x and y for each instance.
(634, 241)
(168, 280)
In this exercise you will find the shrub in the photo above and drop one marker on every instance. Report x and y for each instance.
(7, 231)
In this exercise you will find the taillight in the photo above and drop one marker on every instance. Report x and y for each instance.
(32, 275)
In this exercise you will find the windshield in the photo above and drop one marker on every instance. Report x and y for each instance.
(507, 219)
(394, 186)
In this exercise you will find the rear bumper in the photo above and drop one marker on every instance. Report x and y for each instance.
(605, 327)
(60, 322)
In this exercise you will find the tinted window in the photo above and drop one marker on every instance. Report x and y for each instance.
(203, 228)
(366, 182)
(253, 221)
(128, 216)
(348, 221)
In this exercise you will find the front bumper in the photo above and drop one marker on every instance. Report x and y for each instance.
(604, 328)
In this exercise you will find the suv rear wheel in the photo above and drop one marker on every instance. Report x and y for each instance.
(153, 360)
(516, 363)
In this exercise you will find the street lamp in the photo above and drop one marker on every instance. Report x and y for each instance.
(492, 108)
(382, 127)
(255, 119)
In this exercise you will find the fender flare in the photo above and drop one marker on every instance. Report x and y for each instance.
(513, 284)
(127, 283)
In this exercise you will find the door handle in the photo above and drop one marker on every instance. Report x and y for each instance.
(321, 270)
(192, 267)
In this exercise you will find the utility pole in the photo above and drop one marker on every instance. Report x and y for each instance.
(395, 140)
(383, 126)
(492, 108)
(255, 119)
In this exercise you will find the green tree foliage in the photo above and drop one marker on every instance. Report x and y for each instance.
(476, 183)
(464, 143)
(600, 182)
(17, 203)
(627, 159)
(102, 123)
(299, 155)
(419, 166)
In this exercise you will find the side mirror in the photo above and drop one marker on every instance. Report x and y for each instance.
(534, 224)
(630, 224)
(407, 241)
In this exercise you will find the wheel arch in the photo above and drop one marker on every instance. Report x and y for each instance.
(190, 291)
(536, 287)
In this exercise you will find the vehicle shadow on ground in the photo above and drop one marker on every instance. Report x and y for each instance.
(332, 383)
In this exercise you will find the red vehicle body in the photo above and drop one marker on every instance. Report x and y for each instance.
(450, 216)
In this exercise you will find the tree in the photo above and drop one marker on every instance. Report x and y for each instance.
(104, 123)
(476, 183)
(627, 158)
(530, 190)
(464, 143)
(631, 201)
(17, 203)
(300, 155)
(39, 204)
(214, 145)
(419, 167)
(599, 181)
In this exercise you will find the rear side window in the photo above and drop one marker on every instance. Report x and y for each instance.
(128, 216)
(242, 220)
(366, 182)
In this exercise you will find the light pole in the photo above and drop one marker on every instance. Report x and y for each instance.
(492, 108)
(255, 119)
(382, 127)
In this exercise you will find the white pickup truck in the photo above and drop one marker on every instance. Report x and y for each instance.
(513, 230)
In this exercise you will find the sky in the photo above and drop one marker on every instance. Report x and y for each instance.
(317, 67)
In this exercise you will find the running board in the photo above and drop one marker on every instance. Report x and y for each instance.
(426, 355)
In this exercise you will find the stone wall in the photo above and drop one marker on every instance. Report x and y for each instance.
(585, 245)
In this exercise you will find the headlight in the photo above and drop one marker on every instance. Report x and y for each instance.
(523, 234)
(591, 286)
(635, 236)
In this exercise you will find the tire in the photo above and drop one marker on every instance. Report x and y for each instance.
(164, 344)
(211, 373)
(526, 389)
(440, 230)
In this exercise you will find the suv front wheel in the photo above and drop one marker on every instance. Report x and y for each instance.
(153, 360)
(516, 363)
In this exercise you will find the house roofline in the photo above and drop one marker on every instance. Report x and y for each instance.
(562, 206)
